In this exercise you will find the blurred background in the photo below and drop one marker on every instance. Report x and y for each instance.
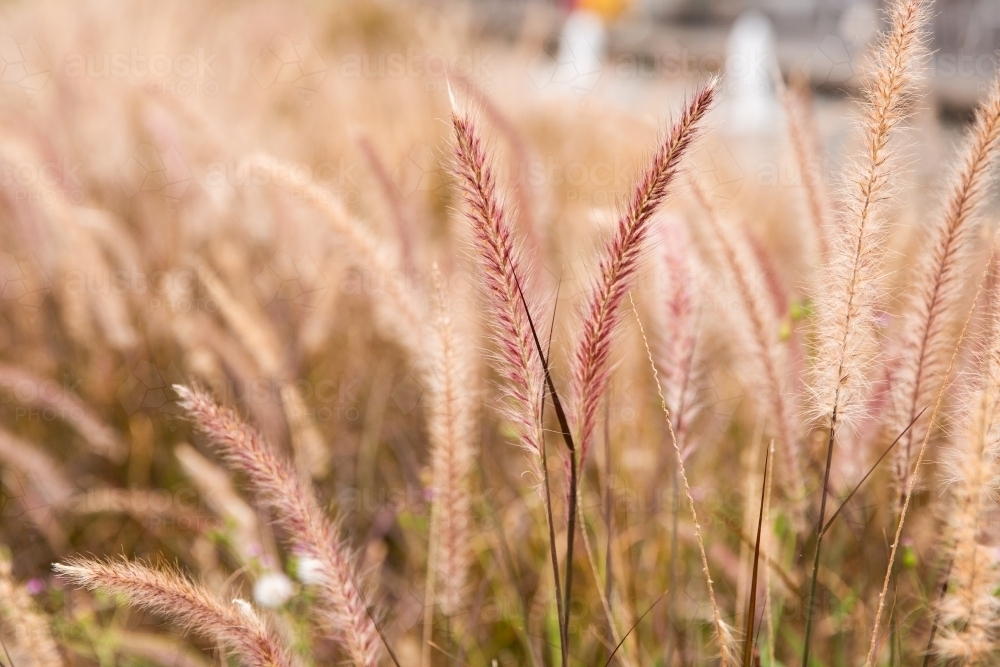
(818, 39)
(142, 244)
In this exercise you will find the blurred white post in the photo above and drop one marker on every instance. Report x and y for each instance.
(750, 101)
(582, 45)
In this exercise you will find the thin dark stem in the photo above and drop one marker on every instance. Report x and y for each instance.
(760, 626)
(563, 626)
(608, 516)
(556, 403)
(10, 660)
(752, 607)
(570, 534)
(819, 538)
(943, 590)
(452, 658)
(381, 635)
(870, 471)
(568, 439)
(554, 556)
(671, 604)
(634, 626)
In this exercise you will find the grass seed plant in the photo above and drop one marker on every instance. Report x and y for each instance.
(308, 357)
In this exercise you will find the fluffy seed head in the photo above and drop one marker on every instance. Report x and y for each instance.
(935, 305)
(677, 325)
(166, 592)
(851, 286)
(306, 528)
(505, 281)
(619, 262)
(451, 428)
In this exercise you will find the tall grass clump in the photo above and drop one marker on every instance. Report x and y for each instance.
(337, 364)
(847, 307)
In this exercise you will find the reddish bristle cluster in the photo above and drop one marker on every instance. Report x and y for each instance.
(505, 280)
(619, 263)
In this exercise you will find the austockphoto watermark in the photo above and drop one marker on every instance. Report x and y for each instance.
(790, 173)
(600, 182)
(181, 73)
(964, 66)
(39, 399)
(176, 289)
(183, 508)
(670, 63)
(335, 178)
(47, 413)
(50, 182)
(688, 64)
(416, 64)
(23, 280)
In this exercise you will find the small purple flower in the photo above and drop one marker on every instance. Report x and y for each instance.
(35, 586)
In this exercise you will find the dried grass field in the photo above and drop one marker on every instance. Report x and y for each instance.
(361, 333)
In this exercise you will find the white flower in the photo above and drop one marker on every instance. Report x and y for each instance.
(310, 571)
(273, 590)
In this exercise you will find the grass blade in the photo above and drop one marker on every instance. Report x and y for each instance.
(634, 626)
(811, 600)
(10, 660)
(563, 619)
(552, 549)
(942, 591)
(752, 605)
(870, 471)
(568, 439)
(556, 403)
(608, 517)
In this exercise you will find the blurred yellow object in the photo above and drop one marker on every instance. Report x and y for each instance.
(606, 9)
